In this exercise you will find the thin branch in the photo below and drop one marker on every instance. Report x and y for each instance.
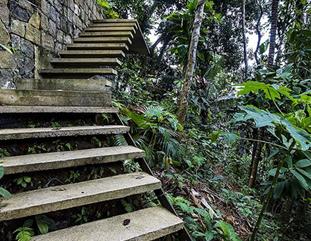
(266, 142)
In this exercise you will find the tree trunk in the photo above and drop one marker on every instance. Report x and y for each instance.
(274, 23)
(256, 157)
(190, 68)
(244, 41)
(258, 32)
(257, 148)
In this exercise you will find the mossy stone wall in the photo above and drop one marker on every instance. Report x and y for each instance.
(37, 29)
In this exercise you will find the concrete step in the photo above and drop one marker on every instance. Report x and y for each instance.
(84, 62)
(143, 225)
(98, 46)
(75, 195)
(102, 39)
(111, 29)
(125, 24)
(98, 33)
(55, 109)
(76, 73)
(115, 21)
(112, 36)
(28, 133)
(55, 98)
(64, 84)
(60, 160)
(91, 53)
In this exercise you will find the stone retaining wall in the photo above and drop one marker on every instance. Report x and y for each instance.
(37, 29)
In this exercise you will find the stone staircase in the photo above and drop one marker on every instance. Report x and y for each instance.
(69, 90)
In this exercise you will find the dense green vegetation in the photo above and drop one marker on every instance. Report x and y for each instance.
(239, 166)
(222, 108)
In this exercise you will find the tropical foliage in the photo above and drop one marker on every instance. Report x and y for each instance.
(239, 123)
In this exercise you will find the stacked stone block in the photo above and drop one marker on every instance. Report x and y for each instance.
(37, 29)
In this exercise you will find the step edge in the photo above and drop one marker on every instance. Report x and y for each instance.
(173, 227)
(72, 202)
(63, 132)
(66, 162)
(56, 109)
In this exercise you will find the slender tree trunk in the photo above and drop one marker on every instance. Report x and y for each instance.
(244, 41)
(274, 23)
(266, 202)
(257, 154)
(190, 68)
(257, 149)
(258, 32)
(256, 157)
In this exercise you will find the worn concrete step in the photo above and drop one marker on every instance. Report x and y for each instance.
(64, 84)
(76, 73)
(115, 21)
(55, 98)
(125, 24)
(28, 133)
(59, 160)
(75, 195)
(111, 29)
(107, 34)
(103, 39)
(111, 37)
(55, 109)
(143, 225)
(84, 62)
(98, 46)
(91, 53)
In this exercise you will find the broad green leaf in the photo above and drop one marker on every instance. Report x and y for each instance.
(303, 163)
(272, 92)
(301, 136)
(304, 173)
(264, 118)
(4, 193)
(42, 224)
(289, 162)
(27, 179)
(307, 154)
(260, 117)
(300, 179)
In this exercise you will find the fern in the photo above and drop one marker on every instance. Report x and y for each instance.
(119, 140)
(24, 234)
